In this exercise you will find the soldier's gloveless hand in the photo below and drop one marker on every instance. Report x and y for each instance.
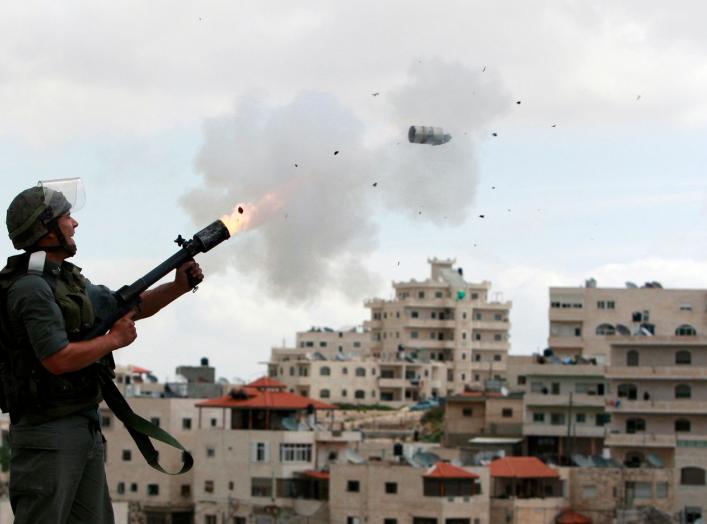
(123, 331)
(188, 274)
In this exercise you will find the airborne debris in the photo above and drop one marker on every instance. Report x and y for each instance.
(554, 125)
(336, 152)
(493, 187)
(296, 165)
(375, 184)
(518, 102)
(240, 210)
(494, 134)
(638, 98)
(483, 70)
(434, 136)
(482, 216)
(375, 94)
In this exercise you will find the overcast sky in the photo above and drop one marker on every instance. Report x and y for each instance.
(174, 112)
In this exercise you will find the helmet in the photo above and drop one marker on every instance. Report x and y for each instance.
(31, 212)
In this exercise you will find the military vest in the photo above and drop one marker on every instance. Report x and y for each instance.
(29, 391)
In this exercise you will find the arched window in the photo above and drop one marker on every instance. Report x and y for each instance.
(686, 330)
(633, 459)
(360, 372)
(360, 394)
(683, 391)
(692, 476)
(606, 329)
(622, 330)
(682, 424)
(632, 358)
(324, 393)
(325, 371)
(627, 391)
(683, 357)
(635, 425)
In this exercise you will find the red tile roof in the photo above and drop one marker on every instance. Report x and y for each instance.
(521, 468)
(267, 382)
(319, 475)
(250, 398)
(572, 517)
(138, 369)
(445, 470)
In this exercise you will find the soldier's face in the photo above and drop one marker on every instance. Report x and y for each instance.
(68, 226)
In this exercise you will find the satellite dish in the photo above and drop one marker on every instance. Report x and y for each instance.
(654, 460)
(353, 457)
(290, 424)
(631, 285)
(582, 461)
(425, 458)
(504, 391)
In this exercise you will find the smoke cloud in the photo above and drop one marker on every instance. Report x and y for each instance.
(312, 154)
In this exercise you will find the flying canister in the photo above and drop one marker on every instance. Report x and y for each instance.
(433, 136)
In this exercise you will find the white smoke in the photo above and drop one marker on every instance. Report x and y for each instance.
(325, 227)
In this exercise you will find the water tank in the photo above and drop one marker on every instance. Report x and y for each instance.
(204, 361)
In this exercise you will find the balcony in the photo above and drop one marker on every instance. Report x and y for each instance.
(392, 383)
(579, 400)
(560, 370)
(337, 436)
(566, 314)
(633, 440)
(483, 345)
(488, 366)
(430, 323)
(656, 372)
(372, 324)
(667, 407)
(491, 325)
(565, 342)
(560, 430)
(430, 344)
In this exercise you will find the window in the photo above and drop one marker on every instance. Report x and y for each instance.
(683, 358)
(153, 490)
(322, 344)
(185, 490)
(295, 452)
(344, 371)
(325, 371)
(413, 334)
(691, 476)
(155, 421)
(214, 422)
(420, 294)
(539, 417)
(610, 304)
(557, 419)
(497, 358)
(581, 418)
(634, 425)
(391, 488)
(477, 357)
(477, 336)
(210, 519)
(686, 330)
(627, 391)
(467, 412)
(344, 393)
(120, 488)
(601, 304)
(353, 520)
(685, 307)
(231, 485)
(390, 521)
(605, 329)
(360, 372)
(507, 412)
(682, 424)
(105, 421)
(521, 380)
(260, 452)
(360, 394)
(260, 487)
(210, 452)
(353, 486)
(498, 337)
(683, 391)
(555, 388)
(127, 455)
(186, 423)
(414, 314)
(589, 491)
(133, 487)
(632, 359)
(661, 490)
(209, 486)
(324, 393)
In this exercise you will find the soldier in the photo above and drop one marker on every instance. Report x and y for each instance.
(48, 372)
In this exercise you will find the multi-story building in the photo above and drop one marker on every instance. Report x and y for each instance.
(585, 320)
(434, 339)
(658, 418)
(564, 409)
(379, 492)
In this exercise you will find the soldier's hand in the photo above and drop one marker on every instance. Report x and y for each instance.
(188, 276)
(123, 331)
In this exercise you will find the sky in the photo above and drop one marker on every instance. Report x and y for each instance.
(577, 151)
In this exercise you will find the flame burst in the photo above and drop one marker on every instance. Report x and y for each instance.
(247, 216)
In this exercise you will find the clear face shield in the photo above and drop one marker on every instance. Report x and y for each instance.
(72, 190)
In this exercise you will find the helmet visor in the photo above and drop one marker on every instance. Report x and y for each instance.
(71, 188)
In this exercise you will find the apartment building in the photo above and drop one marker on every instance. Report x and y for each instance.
(479, 420)
(658, 389)
(381, 492)
(564, 408)
(267, 456)
(444, 319)
(585, 320)
(434, 339)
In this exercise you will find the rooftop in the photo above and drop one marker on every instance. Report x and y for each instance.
(522, 468)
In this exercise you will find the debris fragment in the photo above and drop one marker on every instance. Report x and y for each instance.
(638, 98)
(493, 187)
(494, 134)
(375, 184)
(240, 210)
(434, 136)
(554, 125)
(483, 70)
(482, 216)
(336, 152)
(518, 102)
(375, 94)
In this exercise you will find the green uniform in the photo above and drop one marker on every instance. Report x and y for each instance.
(57, 472)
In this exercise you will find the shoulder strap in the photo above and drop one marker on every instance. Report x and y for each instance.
(36, 263)
(140, 429)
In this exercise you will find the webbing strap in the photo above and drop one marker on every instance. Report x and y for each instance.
(140, 429)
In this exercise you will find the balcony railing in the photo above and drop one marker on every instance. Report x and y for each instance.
(641, 439)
